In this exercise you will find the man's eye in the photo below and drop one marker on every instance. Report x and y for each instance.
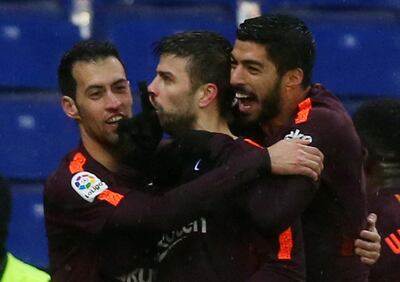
(94, 95)
(122, 88)
(253, 70)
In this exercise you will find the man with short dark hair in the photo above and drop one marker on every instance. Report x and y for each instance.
(272, 62)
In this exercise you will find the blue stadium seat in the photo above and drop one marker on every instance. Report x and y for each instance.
(169, 2)
(27, 239)
(330, 4)
(32, 39)
(35, 134)
(358, 54)
(134, 30)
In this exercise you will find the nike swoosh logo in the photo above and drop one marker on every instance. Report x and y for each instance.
(196, 166)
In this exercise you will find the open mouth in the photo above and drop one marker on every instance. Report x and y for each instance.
(245, 101)
(114, 119)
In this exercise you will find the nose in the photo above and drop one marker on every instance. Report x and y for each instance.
(112, 100)
(152, 87)
(237, 76)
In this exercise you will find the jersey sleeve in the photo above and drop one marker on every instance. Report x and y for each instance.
(275, 202)
(149, 212)
(334, 134)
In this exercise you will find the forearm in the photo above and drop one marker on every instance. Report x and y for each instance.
(147, 212)
(275, 202)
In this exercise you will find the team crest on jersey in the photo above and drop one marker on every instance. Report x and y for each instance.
(87, 185)
(296, 134)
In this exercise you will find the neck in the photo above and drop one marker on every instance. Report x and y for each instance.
(289, 107)
(102, 154)
(212, 122)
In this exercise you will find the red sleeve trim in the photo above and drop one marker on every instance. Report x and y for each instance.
(77, 163)
(112, 197)
(304, 111)
(251, 142)
(285, 244)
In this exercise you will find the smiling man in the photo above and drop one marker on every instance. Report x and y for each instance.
(272, 62)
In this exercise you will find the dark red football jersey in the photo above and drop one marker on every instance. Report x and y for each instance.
(246, 238)
(103, 226)
(338, 212)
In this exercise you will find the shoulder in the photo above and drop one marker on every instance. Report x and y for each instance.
(77, 178)
(324, 117)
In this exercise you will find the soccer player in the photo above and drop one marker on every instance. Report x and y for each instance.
(272, 62)
(377, 123)
(100, 224)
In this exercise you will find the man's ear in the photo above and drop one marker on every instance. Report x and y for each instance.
(293, 78)
(209, 94)
(70, 108)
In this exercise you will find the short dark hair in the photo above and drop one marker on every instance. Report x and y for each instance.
(86, 51)
(5, 211)
(209, 61)
(377, 122)
(287, 39)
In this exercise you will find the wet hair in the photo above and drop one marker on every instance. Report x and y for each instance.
(288, 42)
(5, 211)
(83, 51)
(377, 122)
(208, 55)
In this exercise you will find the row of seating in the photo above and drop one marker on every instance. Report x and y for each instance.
(350, 43)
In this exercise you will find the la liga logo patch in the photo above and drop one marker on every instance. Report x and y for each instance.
(87, 185)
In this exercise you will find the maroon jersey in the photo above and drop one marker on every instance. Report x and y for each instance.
(247, 238)
(337, 213)
(102, 227)
(386, 204)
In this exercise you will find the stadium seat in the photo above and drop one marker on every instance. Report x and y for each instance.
(35, 134)
(270, 5)
(27, 239)
(358, 54)
(168, 2)
(134, 30)
(33, 37)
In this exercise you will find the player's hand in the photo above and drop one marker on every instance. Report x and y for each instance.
(294, 156)
(368, 247)
(139, 136)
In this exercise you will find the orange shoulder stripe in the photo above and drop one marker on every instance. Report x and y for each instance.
(251, 142)
(112, 197)
(77, 163)
(304, 111)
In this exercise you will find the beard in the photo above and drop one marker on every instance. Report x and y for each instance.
(270, 108)
(176, 123)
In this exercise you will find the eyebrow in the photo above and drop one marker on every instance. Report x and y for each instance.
(249, 62)
(99, 86)
(165, 73)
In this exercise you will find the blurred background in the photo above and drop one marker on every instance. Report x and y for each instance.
(358, 58)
